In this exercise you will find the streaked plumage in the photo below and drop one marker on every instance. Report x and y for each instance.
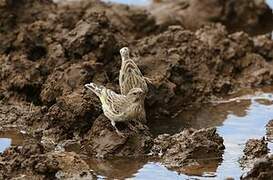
(120, 108)
(130, 76)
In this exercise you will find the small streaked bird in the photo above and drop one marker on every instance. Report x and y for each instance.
(129, 75)
(120, 108)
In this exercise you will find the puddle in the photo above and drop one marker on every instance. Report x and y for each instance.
(10, 138)
(237, 119)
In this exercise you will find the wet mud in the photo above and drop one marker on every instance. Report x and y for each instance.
(48, 52)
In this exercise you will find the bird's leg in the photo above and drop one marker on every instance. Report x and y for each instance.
(118, 132)
(132, 127)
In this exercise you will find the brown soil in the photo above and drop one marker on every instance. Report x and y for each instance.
(49, 51)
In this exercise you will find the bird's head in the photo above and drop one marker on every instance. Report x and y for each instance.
(136, 94)
(125, 52)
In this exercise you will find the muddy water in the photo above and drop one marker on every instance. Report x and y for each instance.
(10, 137)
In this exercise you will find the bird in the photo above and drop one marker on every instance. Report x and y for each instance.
(118, 107)
(130, 75)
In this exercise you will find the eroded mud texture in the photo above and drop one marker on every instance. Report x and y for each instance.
(254, 149)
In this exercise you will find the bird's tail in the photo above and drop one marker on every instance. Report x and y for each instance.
(97, 89)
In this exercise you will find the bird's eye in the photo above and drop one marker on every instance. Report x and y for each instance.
(83, 72)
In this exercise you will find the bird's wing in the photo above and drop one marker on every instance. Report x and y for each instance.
(129, 66)
(131, 76)
(113, 102)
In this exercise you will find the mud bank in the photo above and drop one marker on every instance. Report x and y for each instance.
(49, 51)
(250, 16)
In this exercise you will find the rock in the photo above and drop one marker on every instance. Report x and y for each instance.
(254, 149)
(103, 141)
(262, 169)
(263, 45)
(188, 147)
(269, 130)
(31, 160)
(97, 34)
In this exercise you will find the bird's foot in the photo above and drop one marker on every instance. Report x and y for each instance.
(132, 127)
(120, 133)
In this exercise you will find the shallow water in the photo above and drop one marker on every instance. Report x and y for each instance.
(9, 138)
(270, 3)
(237, 119)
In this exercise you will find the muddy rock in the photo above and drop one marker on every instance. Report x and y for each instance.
(254, 149)
(103, 141)
(136, 22)
(14, 13)
(66, 79)
(264, 45)
(192, 14)
(185, 148)
(269, 130)
(23, 116)
(32, 161)
(70, 116)
(188, 67)
(262, 169)
(95, 34)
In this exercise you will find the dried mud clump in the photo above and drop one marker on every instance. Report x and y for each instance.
(254, 149)
(262, 169)
(23, 116)
(185, 148)
(28, 158)
(103, 141)
(70, 116)
(94, 34)
(32, 161)
(263, 45)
